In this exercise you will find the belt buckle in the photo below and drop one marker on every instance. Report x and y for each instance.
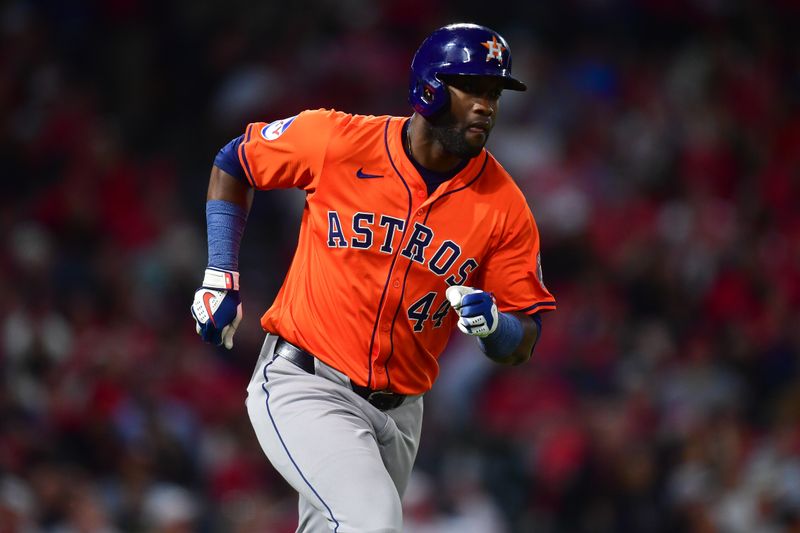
(383, 399)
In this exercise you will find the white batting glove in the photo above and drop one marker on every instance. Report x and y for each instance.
(476, 309)
(217, 307)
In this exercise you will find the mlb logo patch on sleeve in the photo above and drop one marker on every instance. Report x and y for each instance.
(273, 130)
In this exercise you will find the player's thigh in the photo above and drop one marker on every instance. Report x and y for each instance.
(324, 447)
(310, 519)
(398, 445)
(359, 496)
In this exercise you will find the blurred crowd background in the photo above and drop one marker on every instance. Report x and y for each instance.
(659, 148)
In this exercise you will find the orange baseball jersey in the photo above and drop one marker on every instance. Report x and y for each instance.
(365, 291)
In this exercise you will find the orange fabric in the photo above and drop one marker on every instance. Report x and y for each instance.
(366, 289)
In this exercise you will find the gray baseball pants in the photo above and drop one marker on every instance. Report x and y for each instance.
(348, 461)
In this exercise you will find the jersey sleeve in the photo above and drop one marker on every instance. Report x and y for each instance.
(287, 153)
(513, 271)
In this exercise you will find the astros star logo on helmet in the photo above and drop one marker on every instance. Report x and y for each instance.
(495, 49)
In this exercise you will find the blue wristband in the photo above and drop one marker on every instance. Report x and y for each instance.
(505, 339)
(225, 222)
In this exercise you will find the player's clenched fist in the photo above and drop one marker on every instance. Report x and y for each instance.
(217, 307)
(476, 309)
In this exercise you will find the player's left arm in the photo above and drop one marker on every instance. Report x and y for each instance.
(506, 338)
(507, 320)
(531, 328)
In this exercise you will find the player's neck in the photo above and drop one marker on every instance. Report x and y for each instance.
(426, 150)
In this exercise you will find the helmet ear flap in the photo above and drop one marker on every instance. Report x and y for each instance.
(429, 97)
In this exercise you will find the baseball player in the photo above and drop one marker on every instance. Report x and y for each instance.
(410, 228)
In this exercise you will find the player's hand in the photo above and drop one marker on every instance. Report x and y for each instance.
(476, 309)
(217, 307)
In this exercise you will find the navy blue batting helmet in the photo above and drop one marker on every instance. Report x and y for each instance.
(457, 50)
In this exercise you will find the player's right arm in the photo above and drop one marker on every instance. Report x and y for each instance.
(280, 154)
(225, 187)
(217, 307)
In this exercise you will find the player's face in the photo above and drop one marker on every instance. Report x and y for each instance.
(465, 128)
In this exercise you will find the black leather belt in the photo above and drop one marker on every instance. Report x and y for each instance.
(381, 399)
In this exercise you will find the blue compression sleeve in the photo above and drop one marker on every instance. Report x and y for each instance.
(228, 160)
(225, 222)
(505, 338)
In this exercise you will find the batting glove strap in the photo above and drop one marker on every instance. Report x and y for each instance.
(217, 278)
